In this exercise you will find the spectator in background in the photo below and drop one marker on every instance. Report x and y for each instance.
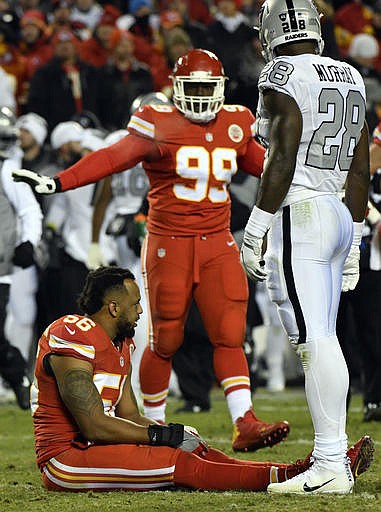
(193, 10)
(121, 81)
(362, 54)
(144, 25)
(60, 18)
(176, 43)
(34, 46)
(11, 59)
(97, 49)
(171, 19)
(87, 13)
(249, 65)
(229, 33)
(65, 85)
(350, 19)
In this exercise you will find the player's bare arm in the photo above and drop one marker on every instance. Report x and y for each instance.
(357, 188)
(128, 408)
(75, 383)
(286, 129)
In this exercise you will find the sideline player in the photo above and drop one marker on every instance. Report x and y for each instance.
(89, 433)
(311, 115)
(190, 152)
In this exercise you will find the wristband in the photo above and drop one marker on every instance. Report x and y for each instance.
(259, 222)
(166, 435)
(357, 233)
(58, 184)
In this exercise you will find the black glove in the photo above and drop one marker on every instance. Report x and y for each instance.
(166, 435)
(24, 255)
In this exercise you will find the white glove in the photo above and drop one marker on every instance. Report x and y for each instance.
(351, 270)
(251, 257)
(95, 257)
(40, 184)
(192, 441)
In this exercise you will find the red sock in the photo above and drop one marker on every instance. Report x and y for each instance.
(154, 372)
(221, 472)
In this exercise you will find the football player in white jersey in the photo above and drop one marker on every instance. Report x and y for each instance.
(311, 116)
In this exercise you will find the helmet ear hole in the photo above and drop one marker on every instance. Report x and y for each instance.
(202, 68)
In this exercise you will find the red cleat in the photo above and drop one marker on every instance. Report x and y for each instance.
(251, 434)
(361, 455)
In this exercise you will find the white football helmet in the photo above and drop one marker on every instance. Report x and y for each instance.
(198, 67)
(287, 21)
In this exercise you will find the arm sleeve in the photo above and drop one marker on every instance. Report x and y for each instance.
(252, 161)
(116, 158)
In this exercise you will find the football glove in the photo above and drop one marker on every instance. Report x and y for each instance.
(351, 269)
(95, 257)
(193, 442)
(251, 257)
(40, 184)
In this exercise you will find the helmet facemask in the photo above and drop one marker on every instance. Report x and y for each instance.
(199, 108)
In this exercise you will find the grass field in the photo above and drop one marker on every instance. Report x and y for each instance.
(21, 489)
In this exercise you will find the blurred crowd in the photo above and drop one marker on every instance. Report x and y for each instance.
(71, 74)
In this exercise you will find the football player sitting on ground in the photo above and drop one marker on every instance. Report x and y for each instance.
(190, 152)
(89, 433)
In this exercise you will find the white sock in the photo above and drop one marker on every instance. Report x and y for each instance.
(155, 413)
(238, 403)
(326, 384)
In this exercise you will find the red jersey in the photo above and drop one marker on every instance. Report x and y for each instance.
(189, 165)
(76, 336)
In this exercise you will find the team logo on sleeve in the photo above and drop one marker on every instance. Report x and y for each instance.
(235, 133)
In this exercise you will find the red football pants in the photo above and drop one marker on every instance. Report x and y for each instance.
(146, 468)
(207, 268)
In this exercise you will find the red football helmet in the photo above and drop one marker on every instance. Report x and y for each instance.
(198, 67)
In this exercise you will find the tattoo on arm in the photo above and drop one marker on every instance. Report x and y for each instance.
(79, 393)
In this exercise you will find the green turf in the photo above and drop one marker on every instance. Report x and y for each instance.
(21, 489)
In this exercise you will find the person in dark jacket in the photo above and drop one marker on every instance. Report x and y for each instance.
(65, 85)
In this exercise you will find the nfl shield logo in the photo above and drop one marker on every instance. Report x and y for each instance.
(161, 252)
(121, 361)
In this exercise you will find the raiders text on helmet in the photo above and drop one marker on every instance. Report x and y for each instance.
(198, 67)
(286, 21)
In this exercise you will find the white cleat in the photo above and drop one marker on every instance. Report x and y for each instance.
(316, 480)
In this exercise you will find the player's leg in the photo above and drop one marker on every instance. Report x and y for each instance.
(221, 293)
(307, 249)
(168, 274)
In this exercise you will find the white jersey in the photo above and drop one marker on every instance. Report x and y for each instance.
(128, 189)
(331, 98)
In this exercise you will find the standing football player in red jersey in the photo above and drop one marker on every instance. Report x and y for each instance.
(190, 153)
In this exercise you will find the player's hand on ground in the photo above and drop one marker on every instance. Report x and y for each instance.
(251, 257)
(193, 442)
(40, 184)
